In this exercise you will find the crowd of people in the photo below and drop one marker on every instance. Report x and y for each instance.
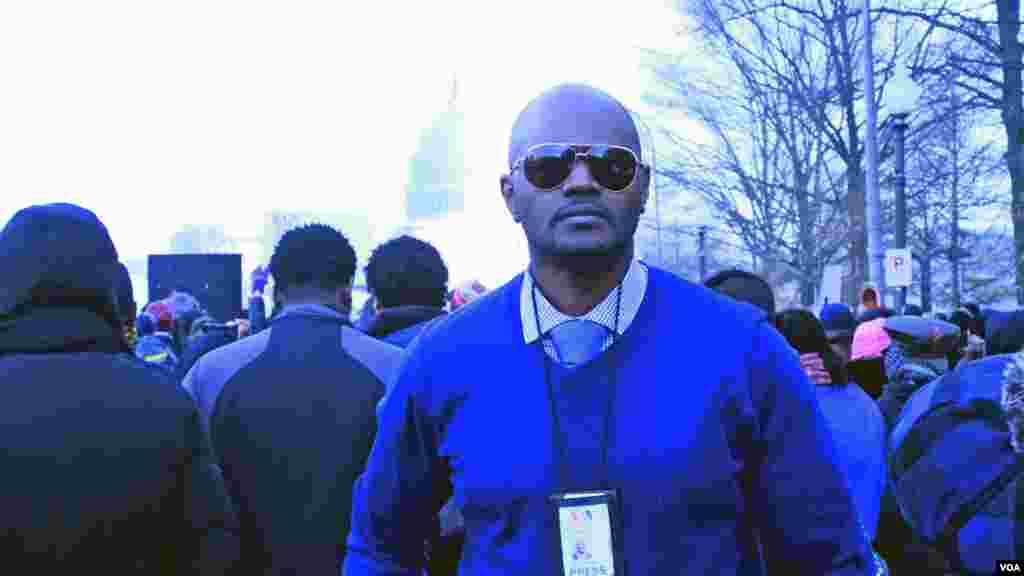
(594, 415)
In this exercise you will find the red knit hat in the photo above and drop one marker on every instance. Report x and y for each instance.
(466, 293)
(162, 312)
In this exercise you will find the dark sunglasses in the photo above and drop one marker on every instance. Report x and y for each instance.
(548, 166)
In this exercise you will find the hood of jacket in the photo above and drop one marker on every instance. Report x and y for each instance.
(59, 330)
(391, 320)
(58, 256)
(1004, 332)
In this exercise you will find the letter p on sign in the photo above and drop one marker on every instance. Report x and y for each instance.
(899, 268)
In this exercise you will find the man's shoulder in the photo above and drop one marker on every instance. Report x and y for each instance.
(353, 340)
(224, 361)
(115, 375)
(381, 358)
(489, 311)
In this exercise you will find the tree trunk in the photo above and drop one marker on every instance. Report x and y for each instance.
(1013, 120)
(806, 257)
(807, 291)
(926, 283)
(858, 233)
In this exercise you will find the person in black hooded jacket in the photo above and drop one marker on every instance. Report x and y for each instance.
(105, 469)
(409, 283)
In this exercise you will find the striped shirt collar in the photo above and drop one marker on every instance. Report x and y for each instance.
(634, 285)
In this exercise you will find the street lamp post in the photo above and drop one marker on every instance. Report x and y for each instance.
(901, 97)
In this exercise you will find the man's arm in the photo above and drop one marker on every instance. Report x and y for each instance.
(807, 519)
(396, 501)
(207, 542)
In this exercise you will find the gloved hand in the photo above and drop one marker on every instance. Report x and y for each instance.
(814, 366)
(259, 278)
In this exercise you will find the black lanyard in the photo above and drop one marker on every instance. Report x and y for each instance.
(561, 449)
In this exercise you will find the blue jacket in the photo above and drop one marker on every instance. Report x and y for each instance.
(859, 432)
(291, 415)
(400, 326)
(718, 446)
(958, 465)
(108, 471)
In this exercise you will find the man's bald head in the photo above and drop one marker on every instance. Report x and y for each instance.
(573, 113)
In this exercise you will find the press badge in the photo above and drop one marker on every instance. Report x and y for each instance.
(588, 534)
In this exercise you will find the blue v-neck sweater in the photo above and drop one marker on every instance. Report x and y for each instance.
(717, 446)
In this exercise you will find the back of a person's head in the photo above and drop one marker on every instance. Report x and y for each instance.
(59, 256)
(161, 311)
(182, 303)
(406, 271)
(837, 319)
(805, 333)
(126, 306)
(183, 324)
(964, 320)
(314, 256)
(802, 330)
(977, 321)
(745, 287)
(867, 365)
(145, 324)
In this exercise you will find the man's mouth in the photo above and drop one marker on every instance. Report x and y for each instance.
(582, 216)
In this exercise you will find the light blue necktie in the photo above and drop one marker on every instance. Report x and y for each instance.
(578, 341)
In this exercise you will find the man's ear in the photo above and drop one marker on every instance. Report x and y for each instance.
(344, 298)
(645, 182)
(508, 194)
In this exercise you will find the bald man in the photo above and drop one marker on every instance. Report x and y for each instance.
(596, 415)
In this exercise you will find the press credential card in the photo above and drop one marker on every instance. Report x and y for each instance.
(586, 540)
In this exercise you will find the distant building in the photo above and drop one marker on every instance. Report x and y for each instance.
(436, 184)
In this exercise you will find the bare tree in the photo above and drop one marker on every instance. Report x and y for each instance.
(987, 59)
(955, 177)
(783, 169)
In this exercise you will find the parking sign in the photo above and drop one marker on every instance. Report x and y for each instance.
(899, 269)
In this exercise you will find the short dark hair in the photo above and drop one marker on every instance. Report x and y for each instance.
(314, 255)
(977, 318)
(406, 271)
(806, 334)
(745, 287)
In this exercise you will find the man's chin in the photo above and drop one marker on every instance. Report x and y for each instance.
(589, 258)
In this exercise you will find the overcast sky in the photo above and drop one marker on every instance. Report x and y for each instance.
(155, 115)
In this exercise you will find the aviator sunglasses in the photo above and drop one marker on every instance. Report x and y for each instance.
(548, 166)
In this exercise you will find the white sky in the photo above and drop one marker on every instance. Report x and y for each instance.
(155, 115)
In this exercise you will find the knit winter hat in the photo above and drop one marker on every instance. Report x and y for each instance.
(162, 312)
(837, 320)
(870, 340)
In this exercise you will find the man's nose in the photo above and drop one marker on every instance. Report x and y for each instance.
(580, 180)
